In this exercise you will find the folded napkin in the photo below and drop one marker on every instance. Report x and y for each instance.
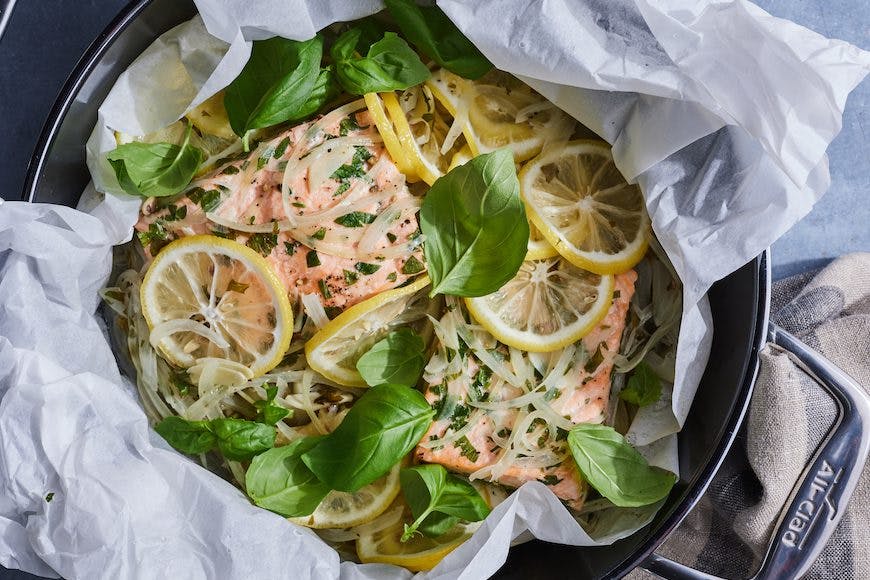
(727, 533)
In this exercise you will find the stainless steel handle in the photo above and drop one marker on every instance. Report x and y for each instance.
(6, 7)
(821, 494)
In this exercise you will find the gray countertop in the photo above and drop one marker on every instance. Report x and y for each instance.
(839, 223)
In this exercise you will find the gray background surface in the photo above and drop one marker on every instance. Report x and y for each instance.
(46, 37)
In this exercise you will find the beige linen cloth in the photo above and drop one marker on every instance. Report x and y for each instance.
(727, 533)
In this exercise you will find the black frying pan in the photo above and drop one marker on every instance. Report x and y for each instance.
(739, 303)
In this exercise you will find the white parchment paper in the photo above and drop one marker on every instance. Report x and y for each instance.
(721, 112)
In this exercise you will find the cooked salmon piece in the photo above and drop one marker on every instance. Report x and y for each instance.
(330, 163)
(580, 395)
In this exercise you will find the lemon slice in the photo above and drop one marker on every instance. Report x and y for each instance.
(583, 206)
(539, 248)
(501, 111)
(418, 553)
(334, 349)
(388, 133)
(423, 128)
(210, 117)
(205, 296)
(344, 510)
(546, 306)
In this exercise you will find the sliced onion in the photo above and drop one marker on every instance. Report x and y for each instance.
(314, 309)
(523, 114)
(377, 230)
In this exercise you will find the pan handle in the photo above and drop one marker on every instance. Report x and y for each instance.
(820, 496)
(6, 7)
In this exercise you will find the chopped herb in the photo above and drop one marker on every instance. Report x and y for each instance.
(290, 247)
(460, 417)
(345, 185)
(282, 147)
(245, 164)
(332, 311)
(415, 234)
(480, 384)
(49, 496)
(391, 277)
(594, 361)
(297, 204)
(616, 294)
(353, 169)
(239, 287)
(391, 237)
(312, 259)
(180, 380)
(349, 124)
(466, 449)
(282, 165)
(264, 158)
(263, 243)
(207, 200)
(156, 232)
(251, 220)
(230, 170)
(350, 278)
(561, 434)
(268, 411)
(552, 393)
(324, 289)
(355, 219)
(319, 234)
(412, 266)
(222, 232)
(175, 212)
(504, 433)
(365, 268)
(550, 479)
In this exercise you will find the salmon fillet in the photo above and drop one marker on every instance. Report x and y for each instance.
(248, 189)
(580, 395)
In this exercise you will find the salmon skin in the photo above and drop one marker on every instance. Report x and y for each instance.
(471, 402)
(329, 163)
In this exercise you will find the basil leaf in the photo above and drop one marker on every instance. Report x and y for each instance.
(397, 359)
(431, 31)
(615, 468)
(643, 388)
(439, 500)
(240, 440)
(475, 226)
(155, 169)
(267, 411)
(279, 481)
(282, 81)
(355, 219)
(389, 65)
(381, 428)
(191, 437)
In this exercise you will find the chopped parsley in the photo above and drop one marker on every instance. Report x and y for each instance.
(365, 268)
(480, 384)
(207, 200)
(264, 158)
(550, 479)
(350, 170)
(552, 393)
(297, 204)
(412, 266)
(176, 213)
(355, 219)
(504, 433)
(312, 259)
(290, 247)
(459, 417)
(319, 234)
(223, 232)
(466, 449)
(594, 361)
(349, 124)
(350, 278)
(156, 232)
(391, 237)
(282, 147)
(230, 170)
(180, 381)
(324, 289)
(49, 496)
(263, 243)
(391, 277)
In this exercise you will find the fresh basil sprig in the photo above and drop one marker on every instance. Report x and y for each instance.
(279, 481)
(643, 388)
(438, 500)
(381, 428)
(396, 359)
(430, 30)
(615, 468)
(475, 226)
(389, 65)
(155, 169)
(282, 81)
(236, 439)
(268, 411)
